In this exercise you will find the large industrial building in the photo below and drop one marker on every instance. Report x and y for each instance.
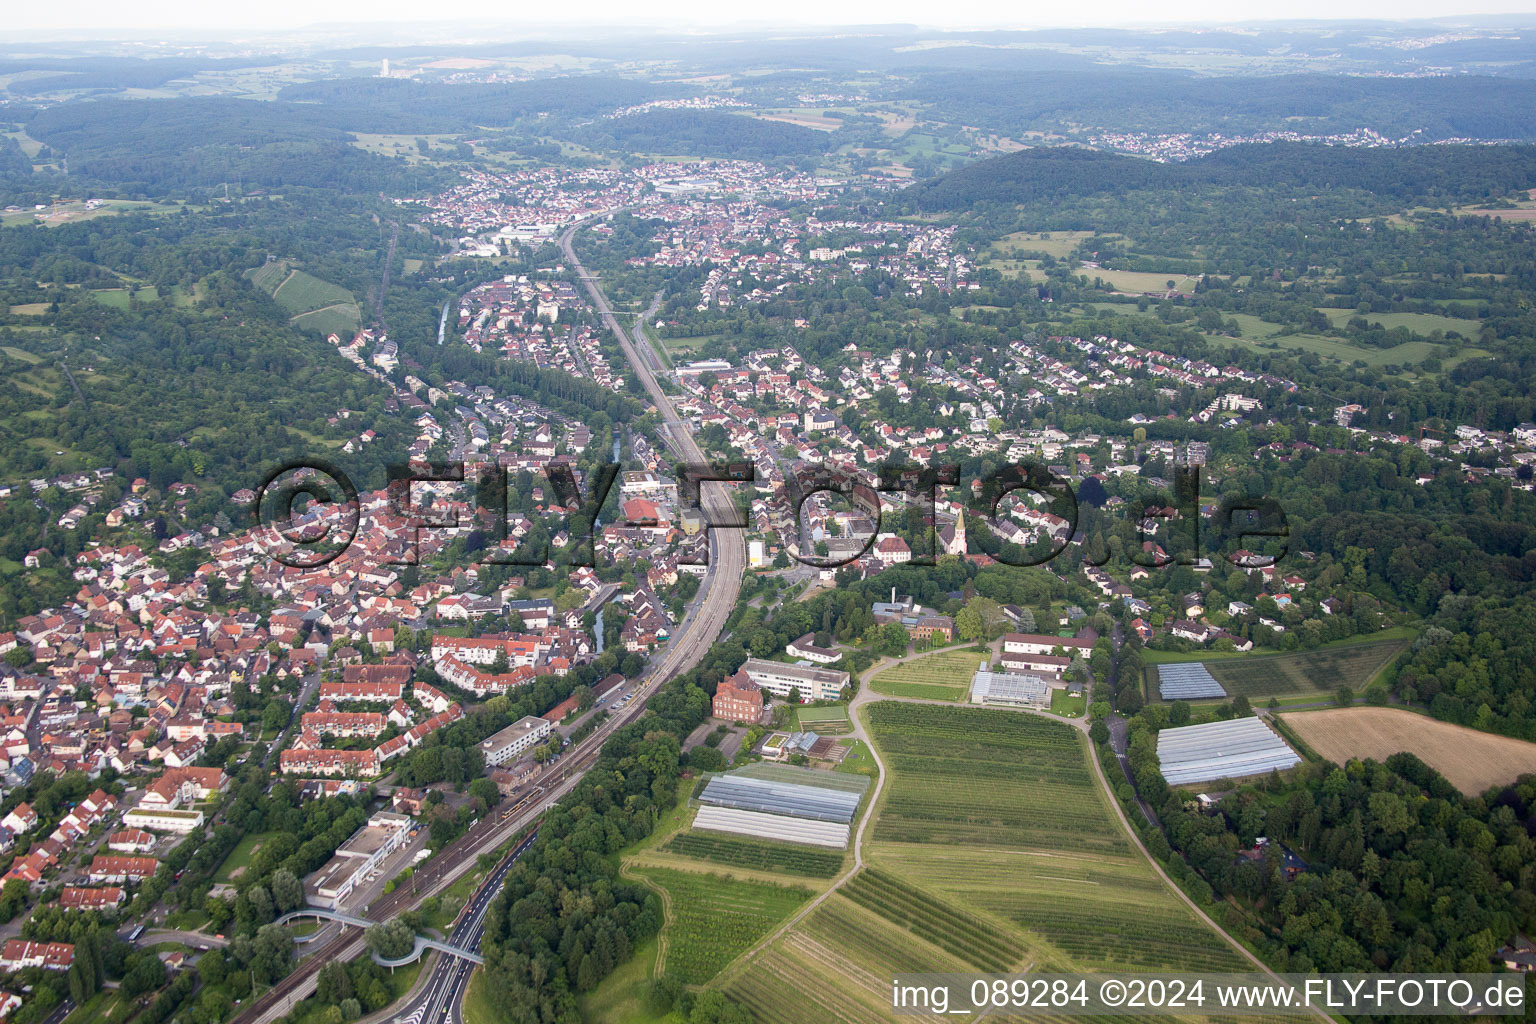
(779, 679)
(1222, 750)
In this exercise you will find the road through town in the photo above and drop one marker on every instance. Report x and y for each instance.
(717, 596)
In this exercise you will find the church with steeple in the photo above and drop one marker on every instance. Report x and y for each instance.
(952, 538)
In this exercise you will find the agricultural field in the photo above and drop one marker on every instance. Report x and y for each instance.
(757, 854)
(825, 720)
(994, 850)
(805, 117)
(974, 776)
(713, 919)
(962, 935)
(1059, 244)
(1297, 673)
(303, 293)
(340, 319)
(1471, 761)
(121, 298)
(935, 677)
(1138, 281)
(312, 304)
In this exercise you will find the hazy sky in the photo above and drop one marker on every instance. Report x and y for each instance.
(92, 17)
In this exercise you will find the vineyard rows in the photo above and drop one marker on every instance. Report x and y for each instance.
(757, 855)
(925, 915)
(986, 777)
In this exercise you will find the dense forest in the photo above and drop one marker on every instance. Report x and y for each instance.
(1023, 97)
(1409, 175)
(707, 134)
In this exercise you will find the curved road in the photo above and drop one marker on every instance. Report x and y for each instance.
(440, 1000)
(717, 597)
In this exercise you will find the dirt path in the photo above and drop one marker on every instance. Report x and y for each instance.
(626, 870)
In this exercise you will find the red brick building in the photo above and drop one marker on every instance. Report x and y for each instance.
(929, 626)
(738, 699)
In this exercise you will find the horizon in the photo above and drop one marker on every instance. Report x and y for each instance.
(180, 21)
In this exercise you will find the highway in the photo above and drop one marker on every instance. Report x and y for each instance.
(442, 997)
(716, 598)
(727, 548)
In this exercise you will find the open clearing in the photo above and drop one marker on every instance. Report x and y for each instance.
(935, 677)
(1418, 323)
(993, 850)
(1138, 281)
(1265, 336)
(1320, 672)
(1055, 243)
(804, 119)
(1472, 761)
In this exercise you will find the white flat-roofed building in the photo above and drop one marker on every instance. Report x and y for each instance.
(1038, 643)
(515, 740)
(361, 854)
(779, 679)
(163, 820)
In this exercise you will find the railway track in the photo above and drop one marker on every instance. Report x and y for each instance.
(718, 591)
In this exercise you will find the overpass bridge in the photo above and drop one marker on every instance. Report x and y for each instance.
(421, 942)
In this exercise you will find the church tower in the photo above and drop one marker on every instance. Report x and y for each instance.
(954, 540)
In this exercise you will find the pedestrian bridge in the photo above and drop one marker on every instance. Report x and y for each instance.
(422, 942)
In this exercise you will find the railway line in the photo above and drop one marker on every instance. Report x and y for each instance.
(717, 597)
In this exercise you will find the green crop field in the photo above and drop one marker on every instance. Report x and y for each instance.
(340, 319)
(994, 850)
(835, 713)
(1139, 280)
(757, 854)
(714, 919)
(1091, 912)
(831, 720)
(981, 776)
(936, 920)
(269, 275)
(302, 293)
(1298, 673)
(1059, 244)
(1418, 323)
(313, 304)
(944, 676)
(119, 298)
